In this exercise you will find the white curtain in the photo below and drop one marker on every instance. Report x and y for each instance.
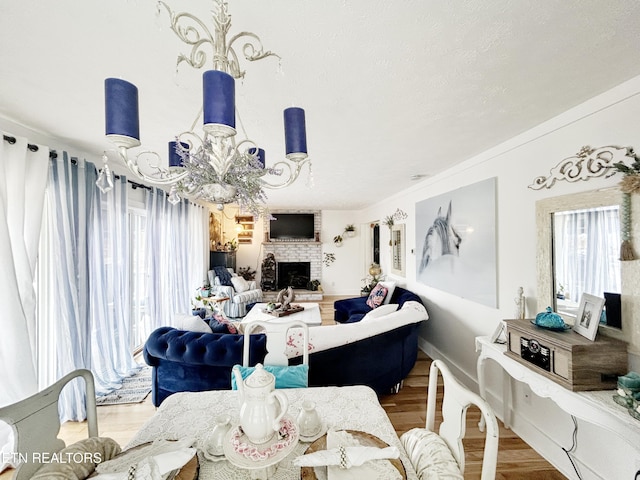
(23, 174)
(84, 309)
(586, 251)
(176, 247)
(64, 324)
(109, 275)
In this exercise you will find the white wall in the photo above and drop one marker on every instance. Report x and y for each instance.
(609, 119)
(342, 277)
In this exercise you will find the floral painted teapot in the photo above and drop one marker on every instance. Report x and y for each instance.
(261, 405)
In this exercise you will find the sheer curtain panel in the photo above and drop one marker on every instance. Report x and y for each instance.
(109, 288)
(586, 251)
(85, 278)
(23, 174)
(177, 250)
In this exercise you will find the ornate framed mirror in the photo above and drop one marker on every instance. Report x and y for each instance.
(549, 289)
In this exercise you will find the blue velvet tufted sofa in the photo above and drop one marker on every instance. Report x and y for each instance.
(192, 361)
(352, 310)
(185, 361)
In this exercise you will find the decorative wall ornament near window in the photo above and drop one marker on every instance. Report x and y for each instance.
(399, 215)
(587, 163)
(390, 221)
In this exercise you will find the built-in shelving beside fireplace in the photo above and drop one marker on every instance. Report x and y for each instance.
(294, 252)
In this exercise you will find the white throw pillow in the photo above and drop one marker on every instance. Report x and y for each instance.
(381, 311)
(191, 323)
(390, 285)
(239, 284)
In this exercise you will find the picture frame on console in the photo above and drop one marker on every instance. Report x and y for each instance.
(588, 317)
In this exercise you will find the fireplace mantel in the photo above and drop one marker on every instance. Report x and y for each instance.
(294, 242)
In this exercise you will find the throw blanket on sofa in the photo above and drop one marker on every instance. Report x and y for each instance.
(223, 275)
(331, 336)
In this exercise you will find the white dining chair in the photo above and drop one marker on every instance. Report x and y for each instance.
(442, 453)
(276, 341)
(36, 422)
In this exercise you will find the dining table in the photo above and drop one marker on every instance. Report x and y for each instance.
(192, 415)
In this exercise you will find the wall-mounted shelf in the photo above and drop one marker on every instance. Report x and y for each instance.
(246, 234)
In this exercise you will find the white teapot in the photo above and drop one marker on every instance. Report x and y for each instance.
(261, 405)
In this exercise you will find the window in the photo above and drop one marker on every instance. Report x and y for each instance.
(586, 255)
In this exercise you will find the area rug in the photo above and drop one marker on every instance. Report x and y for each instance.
(134, 389)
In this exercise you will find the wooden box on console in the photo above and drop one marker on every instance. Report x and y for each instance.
(567, 357)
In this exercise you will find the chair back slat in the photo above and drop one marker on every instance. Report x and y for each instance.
(277, 337)
(456, 400)
(36, 422)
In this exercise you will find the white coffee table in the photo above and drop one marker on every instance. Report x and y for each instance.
(310, 315)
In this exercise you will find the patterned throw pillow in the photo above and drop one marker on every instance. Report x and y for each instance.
(219, 323)
(376, 297)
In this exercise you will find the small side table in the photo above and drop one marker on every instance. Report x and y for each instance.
(215, 302)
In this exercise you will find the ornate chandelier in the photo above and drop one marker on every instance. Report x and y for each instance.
(213, 167)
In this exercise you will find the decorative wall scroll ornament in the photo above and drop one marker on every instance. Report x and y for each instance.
(629, 184)
(587, 163)
(399, 215)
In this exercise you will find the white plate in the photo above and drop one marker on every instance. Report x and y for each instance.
(241, 461)
(213, 458)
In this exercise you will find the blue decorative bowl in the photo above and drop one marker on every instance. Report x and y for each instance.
(551, 321)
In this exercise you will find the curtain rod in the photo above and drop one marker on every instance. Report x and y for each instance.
(33, 148)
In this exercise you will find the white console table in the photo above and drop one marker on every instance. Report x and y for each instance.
(596, 407)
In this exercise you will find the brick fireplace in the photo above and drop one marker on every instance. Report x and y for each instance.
(297, 252)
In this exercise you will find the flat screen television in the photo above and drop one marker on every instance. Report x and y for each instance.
(291, 226)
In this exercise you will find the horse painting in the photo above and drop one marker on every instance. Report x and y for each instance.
(441, 239)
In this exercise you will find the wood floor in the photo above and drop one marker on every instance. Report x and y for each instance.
(406, 409)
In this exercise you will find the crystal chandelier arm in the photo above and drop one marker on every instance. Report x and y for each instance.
(252, 50)
(163, 175)
(196, 36)
(293, 173)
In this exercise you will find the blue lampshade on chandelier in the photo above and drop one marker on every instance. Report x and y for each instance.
(212, 166)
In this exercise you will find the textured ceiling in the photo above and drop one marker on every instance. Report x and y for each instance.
(390, 88)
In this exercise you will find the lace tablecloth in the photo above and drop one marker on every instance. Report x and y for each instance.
(192, 415)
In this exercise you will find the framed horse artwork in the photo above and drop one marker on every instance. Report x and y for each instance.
(456, 242)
